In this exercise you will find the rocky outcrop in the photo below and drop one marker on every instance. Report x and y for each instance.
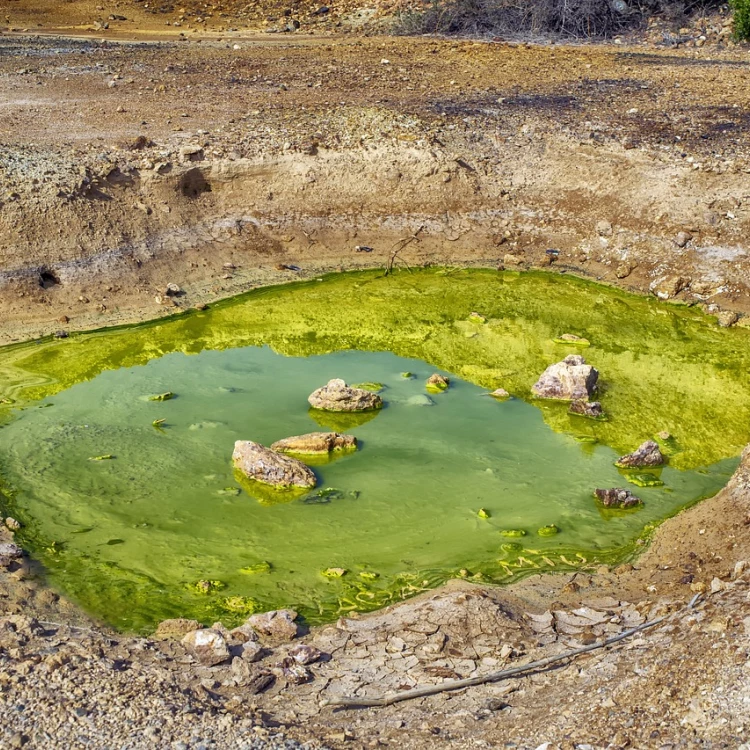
(266, 466)
(590, 409)
(437, 383)
(314, 443)
(207, 645)
(617, 498)
(646, 454)
(336, 395)
(176, 628)
(569, 380)
(277, 625)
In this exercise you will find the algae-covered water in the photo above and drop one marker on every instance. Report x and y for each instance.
(130, 536)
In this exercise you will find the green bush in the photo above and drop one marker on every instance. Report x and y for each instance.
(741, 10)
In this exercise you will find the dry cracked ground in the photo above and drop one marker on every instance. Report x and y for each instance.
(224, 160)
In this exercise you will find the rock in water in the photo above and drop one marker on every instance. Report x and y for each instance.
(266, 466)
(336, 395)
(437, 383)
(316, 443)
(617, 498)
(207, 646)
(278, 624)
(569, 380)
(591, 409)
(647, 454)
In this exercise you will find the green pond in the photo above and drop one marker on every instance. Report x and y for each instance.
(130, 536)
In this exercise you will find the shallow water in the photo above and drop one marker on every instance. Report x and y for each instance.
(128, 537)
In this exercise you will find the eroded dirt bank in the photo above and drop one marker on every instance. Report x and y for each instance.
(128, 167)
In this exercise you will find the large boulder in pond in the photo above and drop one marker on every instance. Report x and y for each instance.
(646, 454)
(336, 395)
(569, 380)
(264, 465)
(316, 443)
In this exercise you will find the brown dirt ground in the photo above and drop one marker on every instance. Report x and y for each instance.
(292, 150)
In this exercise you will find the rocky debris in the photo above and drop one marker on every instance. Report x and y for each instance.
(176, 628)
(277, 625)
(264, 465)
(646, 454)
(683, 238)
(668, 287)
(437, 383)
(500, 393)
(727, 318)
(9, 552)
(245, 633)
(336, 395)
(173, 290)
(191, 153)
(252, 651)
(604, 228)
(623, 270)
(591, 409)
(12, 524)
(617, 498)
(293, 671)
(571, 338)
(316, 443)
(207, 645)
(304, 654)
(569, 380)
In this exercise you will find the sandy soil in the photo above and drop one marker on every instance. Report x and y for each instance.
(217, 164)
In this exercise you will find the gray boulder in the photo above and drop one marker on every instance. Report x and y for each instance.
(336, 395)
(266, 466)
(277, 625)
(617, 498)
(207, 645)
(314, 443)
(569, 380)
(646, 454)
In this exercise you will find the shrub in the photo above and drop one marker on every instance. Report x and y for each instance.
(741, 10)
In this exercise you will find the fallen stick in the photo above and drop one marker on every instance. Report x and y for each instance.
(422, 692)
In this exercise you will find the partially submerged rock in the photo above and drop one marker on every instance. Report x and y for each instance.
(207, 645)
(617, 497)
(315, 443)
(669, 286)
(569, 380)
(278, 625)
(590, 409)
(336, 395)
(500, 393)
(646, 454)
(437, 383)
(268, 467)
(176, 628)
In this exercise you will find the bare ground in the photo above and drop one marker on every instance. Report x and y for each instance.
(129, 165)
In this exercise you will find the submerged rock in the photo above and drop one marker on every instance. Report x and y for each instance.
(278, 625)
(420, 399)
(336, 395)
(591, 409)
(207, 645)
(500, 393)
(617, 498)
(266, 466)
(569, 380)
(316, 443)
(646, 454)
(437, 383)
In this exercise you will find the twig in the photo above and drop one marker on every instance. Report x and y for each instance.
(422, 692)
(398, 246)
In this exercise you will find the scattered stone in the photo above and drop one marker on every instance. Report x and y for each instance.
(604, 228)
(191, 153)
(278, 625)
(500, 394)
(668, 287)
(590, 409)
(437, 383)
(176, 628)
(617, 498)
(173, 290)
(12, 524)
(646, 454)
(314, 443)
(727, 318)
(243, 634)
(683, 238)
(304, 654)
(623, 270)
(512, 260)
(264, 465)
(336, 395)
(664, 435)
(207, 645)
(61, 334)
(252, 651)
(9, 551)
(569, 380)
(571, 338)
(294, 672)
